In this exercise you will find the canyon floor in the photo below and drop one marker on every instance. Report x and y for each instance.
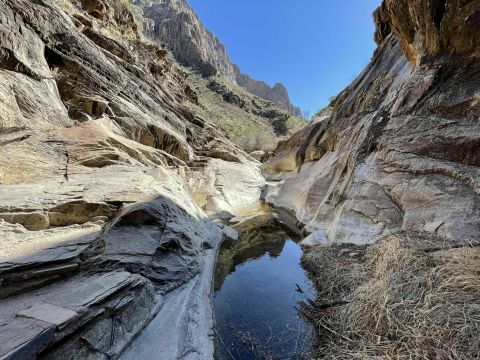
(131, 149)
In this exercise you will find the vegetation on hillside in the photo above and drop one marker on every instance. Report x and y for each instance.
(249, 121)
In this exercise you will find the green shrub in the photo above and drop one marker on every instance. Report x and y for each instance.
(251, 139)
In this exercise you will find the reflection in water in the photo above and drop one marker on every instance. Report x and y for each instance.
(258, 286)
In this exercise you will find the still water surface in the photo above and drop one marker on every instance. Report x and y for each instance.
(259, 287)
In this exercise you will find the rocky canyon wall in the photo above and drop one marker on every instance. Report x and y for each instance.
(400, 152)
(176, 25)
(106, 179)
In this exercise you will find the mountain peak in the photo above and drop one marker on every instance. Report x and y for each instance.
(178, 27)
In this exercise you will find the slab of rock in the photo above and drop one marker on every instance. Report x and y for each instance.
(31, 259)
(49, 313)
(315, 239)
(433, 226)
(36, 319)
(234, 186)
(23, 339)
(257, 155)
(229, 233)
(47, 246)
(95, 290)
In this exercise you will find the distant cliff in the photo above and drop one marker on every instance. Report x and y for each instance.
(178, 27)
(277, 94)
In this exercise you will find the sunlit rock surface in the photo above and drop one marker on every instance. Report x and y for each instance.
(400, 151)
(104, 189)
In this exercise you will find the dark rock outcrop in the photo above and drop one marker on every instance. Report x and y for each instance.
(431, 28)
(178, 27)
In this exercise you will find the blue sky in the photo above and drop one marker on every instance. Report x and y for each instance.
(315, 47)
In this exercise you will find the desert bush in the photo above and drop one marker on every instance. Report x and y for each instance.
(65, 5)
(295, 123)
(251, 139)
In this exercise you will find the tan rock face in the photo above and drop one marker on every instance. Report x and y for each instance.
(400, 150)
(102, 204)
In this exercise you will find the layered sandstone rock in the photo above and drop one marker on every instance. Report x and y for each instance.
(179, 28)
(399, 153)
(103, 206)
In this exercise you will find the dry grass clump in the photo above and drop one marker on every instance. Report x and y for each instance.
(337, 270)
(399, 302)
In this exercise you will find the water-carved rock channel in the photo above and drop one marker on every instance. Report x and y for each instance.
(259, 288)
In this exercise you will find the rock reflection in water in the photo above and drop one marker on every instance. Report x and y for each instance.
(258, 286)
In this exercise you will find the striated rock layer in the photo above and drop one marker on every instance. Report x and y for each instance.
(106, 178)
(176, 25)
(400, 152)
